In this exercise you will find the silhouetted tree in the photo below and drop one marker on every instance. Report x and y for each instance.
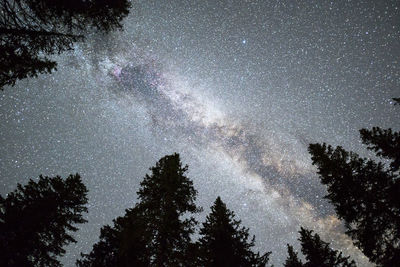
(224, 243)
(292, 260)
(165, 196)
(365, 193)
(30, 30)
(385, 143)
(317, 253)
(156, 232)
(36, 220)
(122, 245)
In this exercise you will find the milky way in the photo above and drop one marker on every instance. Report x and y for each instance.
(238, 88)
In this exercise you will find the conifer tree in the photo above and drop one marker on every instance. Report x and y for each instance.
(120, 245)
(36, 220)
(317, 253)
(366, 193)
(164, 197)
(31, 30)
(157, 231)
(292, 260)
(224, 243)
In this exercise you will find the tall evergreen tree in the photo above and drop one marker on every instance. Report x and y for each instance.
(122, 245)
(156, 232)
(317, 253)
(164, 197)
(365, 193)
(292, 260)
(224, 243)
(36, 220)
(30, 30)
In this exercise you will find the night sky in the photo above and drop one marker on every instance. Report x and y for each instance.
(238, 88)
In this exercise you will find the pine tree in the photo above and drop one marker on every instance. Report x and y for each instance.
(122, 245)
(385, 143)
(317, 253)
(292, 260)
(31, 30)
(36, 220)
(366, 193)
(224, 243)
(165, 196)
(157, 231)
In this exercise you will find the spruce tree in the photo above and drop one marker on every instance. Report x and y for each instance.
(120, 245)
(164, 197)
(157, 231)
(36, 220)
(317, 253)
(31, 30)
(223, 242)
(292, 260)
(366, 193)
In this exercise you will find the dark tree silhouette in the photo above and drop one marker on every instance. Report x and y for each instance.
(30, 30)
(317, 253)
(122, 245)
(224, 243)
(36, 220)
(156, 232)
(165, 196)
(292, 260)
(365, 193)
(385, 143)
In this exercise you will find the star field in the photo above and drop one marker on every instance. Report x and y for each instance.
(238, 88)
